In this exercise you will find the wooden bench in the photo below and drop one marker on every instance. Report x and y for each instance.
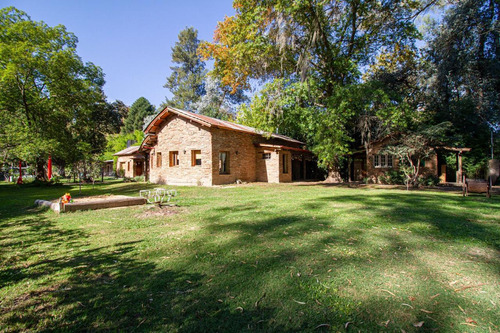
(476, 186)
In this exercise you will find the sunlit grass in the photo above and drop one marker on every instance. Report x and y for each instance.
(254, 257)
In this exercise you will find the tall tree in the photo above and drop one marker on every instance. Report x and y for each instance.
(186, 80)
(121, 109)
(464, 54)
(320, 45)
(139, 110)
(50, 101)
(218, 102)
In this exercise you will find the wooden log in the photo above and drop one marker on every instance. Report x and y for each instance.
(104, 203)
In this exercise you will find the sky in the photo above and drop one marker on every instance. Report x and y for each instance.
(130, 40)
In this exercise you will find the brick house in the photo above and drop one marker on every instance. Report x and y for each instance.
(378, 163)
(130, 161)
(185, 148)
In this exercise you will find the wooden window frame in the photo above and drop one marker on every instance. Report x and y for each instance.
(172, 161)
(195, 152)
(381, 161)
(158, 160)
(285, 166)
(266, 156)
(227, 170)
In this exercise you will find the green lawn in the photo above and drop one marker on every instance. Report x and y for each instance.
(254, 257)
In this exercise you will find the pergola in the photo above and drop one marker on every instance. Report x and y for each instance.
(459, 151)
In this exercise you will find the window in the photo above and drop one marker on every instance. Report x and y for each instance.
(122, 165)
(285, 163)
(266, 156)
(128, 166)
(195, 157)
(224, 163)
(174, 158)
(158, 160)
(151, 157)
(389, 161)
(382, 161)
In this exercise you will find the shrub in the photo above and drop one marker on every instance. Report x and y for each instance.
(429, 180)
(139, 179)
(392, 177)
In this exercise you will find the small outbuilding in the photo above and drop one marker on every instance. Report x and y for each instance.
(130, 162)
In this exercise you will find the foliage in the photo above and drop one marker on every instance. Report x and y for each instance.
(186, 80)
(121, 109)
(464, 71)
(117, 142)
(414, 147)
(392, 177)
(218, 102)
(138, 112)
(322, 45)
(51, 103)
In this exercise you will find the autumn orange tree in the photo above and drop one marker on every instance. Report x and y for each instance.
(311, 55)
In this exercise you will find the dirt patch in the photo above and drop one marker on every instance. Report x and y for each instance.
(155, 211)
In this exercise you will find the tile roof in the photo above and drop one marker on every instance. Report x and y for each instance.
(128, 151)
(209, 121)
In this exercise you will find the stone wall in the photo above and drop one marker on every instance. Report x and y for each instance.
(267, 170)
(285, 177)
(430, 168)
(127, 164)
(245, 160)
(242, 155)
(183, 136)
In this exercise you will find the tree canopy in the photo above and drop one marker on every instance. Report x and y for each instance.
(311, 55)
(137, 113)
(186, 80)
(50, 101)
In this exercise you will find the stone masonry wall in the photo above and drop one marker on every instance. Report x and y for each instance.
(183, 136)
(267, 170)
(128, 166)
(430, 168)
(285, 177)
(242, 155)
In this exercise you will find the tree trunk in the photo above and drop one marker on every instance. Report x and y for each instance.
(334, 175)
(40, 169)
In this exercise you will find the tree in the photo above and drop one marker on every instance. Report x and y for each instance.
(139, 110)
(464, 67)
(321, 46)
(50, 101)
(413, 147)
(117, 142)
(186, 80)
(218, 102)
(121, 109)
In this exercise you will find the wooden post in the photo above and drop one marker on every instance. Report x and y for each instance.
(304, 167)
(460, 173)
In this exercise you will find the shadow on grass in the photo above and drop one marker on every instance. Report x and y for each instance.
(295, 252)
(452, 217)
(287, 271)
(69, 283)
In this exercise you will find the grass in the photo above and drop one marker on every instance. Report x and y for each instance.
(250, 258)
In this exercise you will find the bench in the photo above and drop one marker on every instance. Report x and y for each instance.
(475, 186)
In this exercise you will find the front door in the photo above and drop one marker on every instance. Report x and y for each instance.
(138, 168)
